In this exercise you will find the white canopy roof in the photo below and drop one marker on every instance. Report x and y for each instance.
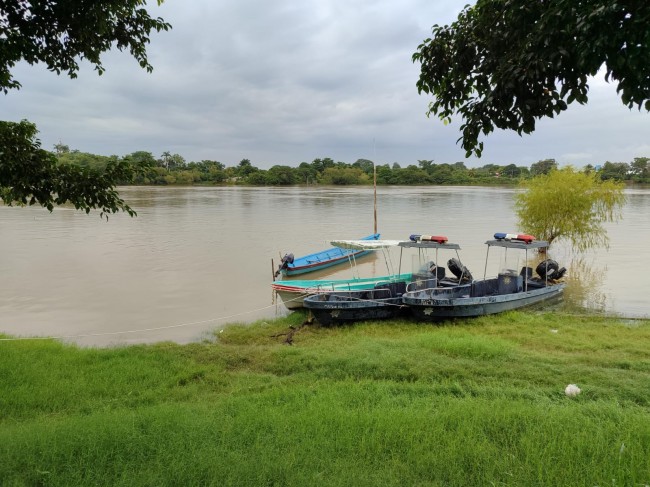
(365, 244)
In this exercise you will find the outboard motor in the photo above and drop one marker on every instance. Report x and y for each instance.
(284, 263)
(459, 270)
(546, 268)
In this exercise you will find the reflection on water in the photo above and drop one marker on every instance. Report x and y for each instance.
(196, 258)
(584, 286)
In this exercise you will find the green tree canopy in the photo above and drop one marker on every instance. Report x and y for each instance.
(344, 176)
(543, 167)
(365, 165)
(615, 170)
(568, 204)
(60, 33)
(306, 173)
(410, 175)
(506, 63)
(281, 175)
(511, 171)
(245, 168)
(640, 169)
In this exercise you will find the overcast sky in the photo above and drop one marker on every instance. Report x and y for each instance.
(282, 82)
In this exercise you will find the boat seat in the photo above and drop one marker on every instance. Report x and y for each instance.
(439, 272)
(448, 282)
(488, 287)
(526, 272)
(395, 288)
(425, 284)
(510, 282)
(535, 283)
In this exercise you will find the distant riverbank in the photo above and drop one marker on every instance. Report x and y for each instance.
(478, 402)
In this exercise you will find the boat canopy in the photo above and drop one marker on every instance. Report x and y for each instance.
(365, 244)
(516, 244)
(427, 244)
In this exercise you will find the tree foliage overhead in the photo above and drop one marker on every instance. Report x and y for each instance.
(568, 204)
(59, 33)
(30, 175)
(506, 63)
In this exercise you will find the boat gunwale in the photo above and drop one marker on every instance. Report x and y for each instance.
(344, 254)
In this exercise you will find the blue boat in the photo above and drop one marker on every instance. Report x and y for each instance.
(293, 266)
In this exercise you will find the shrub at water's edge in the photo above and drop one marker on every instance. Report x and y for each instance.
(571, 205)
(475, 402)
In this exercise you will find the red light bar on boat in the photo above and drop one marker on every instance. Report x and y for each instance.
(514, 236)
(428, 238)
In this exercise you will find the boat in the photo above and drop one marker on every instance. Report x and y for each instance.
(292, 292)
(384, 299)
(509, 290)
(432, 277)
(293, 266)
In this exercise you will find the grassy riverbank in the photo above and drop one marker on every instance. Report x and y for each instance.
(475, 403)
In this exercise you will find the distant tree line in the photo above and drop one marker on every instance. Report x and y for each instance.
(172, 169)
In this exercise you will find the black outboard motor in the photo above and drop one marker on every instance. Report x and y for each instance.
(284, 263)
(546, 268)
(459, 270)
(549, 269)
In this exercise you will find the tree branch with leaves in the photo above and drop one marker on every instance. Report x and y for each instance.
(60, 33)
(507, 63)
(30, 175)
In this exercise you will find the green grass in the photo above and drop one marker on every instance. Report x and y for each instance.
(477, 402)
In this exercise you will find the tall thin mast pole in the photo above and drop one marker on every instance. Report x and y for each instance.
(374, 179)
(374, 169)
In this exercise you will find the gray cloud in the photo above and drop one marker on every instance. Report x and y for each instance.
(285, 82)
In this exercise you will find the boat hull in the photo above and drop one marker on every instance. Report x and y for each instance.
(386, 309)
(382, 302)
(323, 259)
(293, 292)
(435, 309)
(317, 266)
(292, 300)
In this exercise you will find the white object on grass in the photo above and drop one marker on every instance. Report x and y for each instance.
(572, 390)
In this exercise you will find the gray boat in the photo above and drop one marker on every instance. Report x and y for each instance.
(384, 301)
(509, 290)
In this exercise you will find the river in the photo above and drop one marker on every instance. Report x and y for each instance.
(197, 258)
